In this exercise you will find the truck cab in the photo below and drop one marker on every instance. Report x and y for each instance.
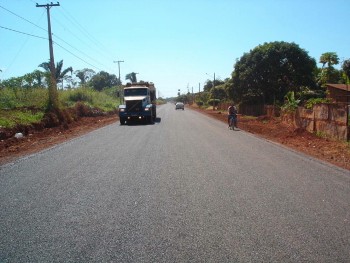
(139, 103)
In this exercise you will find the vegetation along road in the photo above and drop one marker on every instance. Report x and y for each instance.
(185, 189)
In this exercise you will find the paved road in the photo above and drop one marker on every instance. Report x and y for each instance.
(185, 189)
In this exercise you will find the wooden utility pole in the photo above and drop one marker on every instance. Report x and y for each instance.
(120, 82)
(53, 104)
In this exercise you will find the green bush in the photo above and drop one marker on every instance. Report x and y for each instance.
(7, 99)
(95, 99)
(112, 91)
(200, 103)
(307, 93)
(214, 102)
(291, 102)
(311, 102)
(70, 97)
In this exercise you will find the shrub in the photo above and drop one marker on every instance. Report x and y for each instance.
(200, 103)
(89, 97)
(214, 102)
(311, 102)
(291, 103)
(71, 96)
(307, 93)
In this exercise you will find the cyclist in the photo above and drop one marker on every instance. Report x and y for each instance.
(232, 113)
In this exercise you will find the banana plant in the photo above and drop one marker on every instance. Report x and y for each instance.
(291, 103)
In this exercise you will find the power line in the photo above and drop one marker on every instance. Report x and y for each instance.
(86, 33)
(23, 32)
(22, 45)
(76, 49)
(54, 43)
(56, 36)
(23, 18)
(77, 56)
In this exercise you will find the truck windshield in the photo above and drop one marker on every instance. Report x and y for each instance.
(135, 92)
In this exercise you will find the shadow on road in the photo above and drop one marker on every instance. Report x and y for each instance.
(141, 123)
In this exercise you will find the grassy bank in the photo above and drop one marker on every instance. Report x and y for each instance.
(27, 106)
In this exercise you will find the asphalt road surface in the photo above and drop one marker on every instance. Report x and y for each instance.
(185, 189)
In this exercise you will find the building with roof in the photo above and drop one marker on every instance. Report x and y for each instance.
(339, 93)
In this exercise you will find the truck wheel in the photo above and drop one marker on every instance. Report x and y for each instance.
(122, 121)
(150, 119)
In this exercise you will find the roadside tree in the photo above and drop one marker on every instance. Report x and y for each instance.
(218, 92)
(328, 74)
(103, 80)
(131, 76)
(84, 75)
(269, 71)
(209, 84)
(59, 72)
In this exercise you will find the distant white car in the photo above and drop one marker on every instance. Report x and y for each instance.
(179, 105)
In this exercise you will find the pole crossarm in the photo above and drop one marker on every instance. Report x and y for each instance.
(118, 61)
(48, 5)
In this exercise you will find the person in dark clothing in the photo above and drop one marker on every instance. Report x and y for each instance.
(232, 113)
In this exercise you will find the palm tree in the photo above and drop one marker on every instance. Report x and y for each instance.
(329, 58)
(84, 75)
(328, 72)
(59, 74)
(132, 77)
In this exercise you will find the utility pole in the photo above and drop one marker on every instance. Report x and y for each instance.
(192, 96)
(214, 81)
(120, 91)
(119, 61)
(53, 94)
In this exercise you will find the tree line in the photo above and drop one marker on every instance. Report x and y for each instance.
(267, 74)
(270, 72)
(66, 78)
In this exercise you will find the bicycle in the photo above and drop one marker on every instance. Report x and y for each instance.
(233, 121)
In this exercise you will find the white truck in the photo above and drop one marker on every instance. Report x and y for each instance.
(139, 103)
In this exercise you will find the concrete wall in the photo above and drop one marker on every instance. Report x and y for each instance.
(328, 119)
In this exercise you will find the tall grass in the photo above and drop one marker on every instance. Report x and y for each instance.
(95, 99)
(9, 119)
(23, 98)
(26, 106)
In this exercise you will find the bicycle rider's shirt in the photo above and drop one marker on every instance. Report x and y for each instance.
(232, 110)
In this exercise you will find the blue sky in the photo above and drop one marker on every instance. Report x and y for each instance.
(175, 44)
